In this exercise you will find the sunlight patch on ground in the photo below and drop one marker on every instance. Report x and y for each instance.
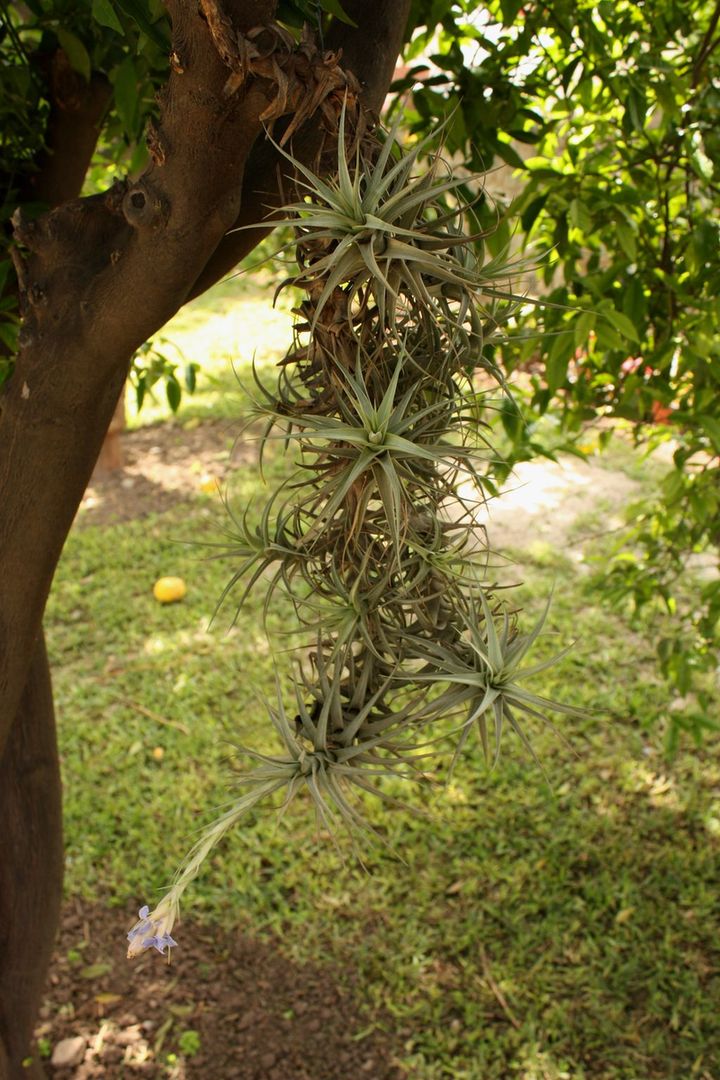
(242, 331)
(222, 332)
(543, 500)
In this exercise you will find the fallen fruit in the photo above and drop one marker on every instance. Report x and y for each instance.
(168, 589)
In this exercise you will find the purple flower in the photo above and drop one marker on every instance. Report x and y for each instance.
(152, 930)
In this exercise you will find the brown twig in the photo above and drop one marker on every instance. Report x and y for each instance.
(497, 992)
(707, 45)
(150, 714)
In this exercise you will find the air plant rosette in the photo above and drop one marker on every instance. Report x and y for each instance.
(382, 558)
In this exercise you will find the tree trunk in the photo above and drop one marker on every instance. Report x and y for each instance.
(98, 276)
(31, 865)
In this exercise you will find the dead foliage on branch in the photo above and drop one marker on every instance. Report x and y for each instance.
(308, 79)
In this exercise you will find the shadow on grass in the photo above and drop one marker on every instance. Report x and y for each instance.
(575, 936)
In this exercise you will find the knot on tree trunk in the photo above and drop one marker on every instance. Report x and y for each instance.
(143, 207)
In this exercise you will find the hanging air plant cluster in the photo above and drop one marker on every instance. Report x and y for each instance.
(374, 539)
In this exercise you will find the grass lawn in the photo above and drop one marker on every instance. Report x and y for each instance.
(539, 927)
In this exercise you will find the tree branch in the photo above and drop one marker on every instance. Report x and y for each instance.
(707, 45)
(370, 52)
(76, 108)
(371, 48)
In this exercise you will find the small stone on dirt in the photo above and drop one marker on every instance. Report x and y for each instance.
(68, 1052)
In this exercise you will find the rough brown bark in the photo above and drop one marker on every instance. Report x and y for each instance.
(30, 804)
(31, 863)
(104, 273)
(53, 417)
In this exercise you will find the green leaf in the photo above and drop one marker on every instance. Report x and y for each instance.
(104, 14)
(607, 339)
(635, 110)
(510, 9)
(9, 334)
(5, 267)
(174, 393)
(666, 96)
(76, 52)
(508, 154)
(333, 7)
(95, 971)
(582, 326)
(141, 14)
(569, 72)
(622, 323)
(626, 239)
(579, 216)
(140, 390)
(531, 212)
(703, 165)
(711, 427)
(673, 486)
(634, 303)
(557, 361)
(126, 95)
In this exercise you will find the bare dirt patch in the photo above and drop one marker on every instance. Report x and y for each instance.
(543, 501)
(167, 463)
(163, 465)
(237, 1007)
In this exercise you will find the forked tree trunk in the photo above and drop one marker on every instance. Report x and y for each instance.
(97, 278)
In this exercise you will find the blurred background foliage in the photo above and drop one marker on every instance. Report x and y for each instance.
(604, 118)
(608, 113)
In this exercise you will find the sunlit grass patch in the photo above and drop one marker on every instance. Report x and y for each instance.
(222, 331)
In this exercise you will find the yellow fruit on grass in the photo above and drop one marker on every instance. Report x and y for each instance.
(168, 589)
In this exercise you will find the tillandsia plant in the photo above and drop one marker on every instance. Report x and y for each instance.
(374, 539)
